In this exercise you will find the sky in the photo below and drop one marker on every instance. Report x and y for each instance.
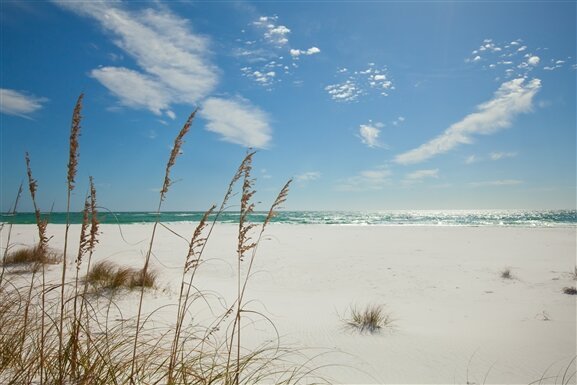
(367, 105)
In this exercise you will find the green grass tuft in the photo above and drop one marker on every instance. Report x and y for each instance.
(106, 275)
(370, 319)
(570, 290)
(31, 257)
(506, 274)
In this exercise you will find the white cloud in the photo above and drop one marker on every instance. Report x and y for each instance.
(534, 60)
(398, 121)
(502, 155)
(237, 121)
(512, 98)
(308, 176)
(511, 59)
(265, 79)
(503, 182)
(268, 52)
(346, 92)
(375, 179)
(19, 103)
(422, 174)
(471, 159)
(313, 51)
(133, 88)
(369, 134)
(274, 34)
(295, 53)
(357, 83)
(173, 60)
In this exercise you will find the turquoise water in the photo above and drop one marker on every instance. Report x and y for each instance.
(549, 218)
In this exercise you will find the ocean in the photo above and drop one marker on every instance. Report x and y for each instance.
(523, 218)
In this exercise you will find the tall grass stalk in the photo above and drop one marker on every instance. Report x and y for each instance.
(70, 177)
(192, 262)
(166, 185)
(42, 250)
(82, 250)
(92, 241)
(244, 246)
(5, 254)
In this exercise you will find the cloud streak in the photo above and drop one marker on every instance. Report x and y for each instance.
(308, 176)
(511, 99)
(237, 121)
(497, 183)
(173, 62)
(18, 103)
(367, 180)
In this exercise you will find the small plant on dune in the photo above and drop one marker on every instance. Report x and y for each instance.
(106, 275)
(570, 290)
(370, 319)
(574, 274)
(33, 257)
(506, 274)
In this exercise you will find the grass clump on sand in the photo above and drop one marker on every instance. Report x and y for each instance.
(31, 256)
(108, 275)
(371, 318)
(506, 274)
(570, 290)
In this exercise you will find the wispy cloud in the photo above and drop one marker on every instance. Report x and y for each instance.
(513, 59)
(511, 99)
(419, 175)
(503, 182)
(237, 121)
(19, 103)
(369, 134)
(346, 91)
(135, 89)
(352, 85)
(173, 62)
(265, 79)
(266, 52)
(308, 176)
(472, 159)
(375, 179)
(502, 155)
(493, 156)
(295, 53)
(398, 121)
(274, 33)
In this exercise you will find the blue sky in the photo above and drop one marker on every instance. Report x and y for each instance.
(367, 105)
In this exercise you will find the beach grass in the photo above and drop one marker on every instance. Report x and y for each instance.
(61, 333)
(32, 257)
(570, 290)
(371, 318)
(506, 274)
(107, 275)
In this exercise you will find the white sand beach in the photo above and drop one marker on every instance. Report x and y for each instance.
(456, 320)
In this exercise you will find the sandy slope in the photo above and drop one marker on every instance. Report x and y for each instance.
(456, 319)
